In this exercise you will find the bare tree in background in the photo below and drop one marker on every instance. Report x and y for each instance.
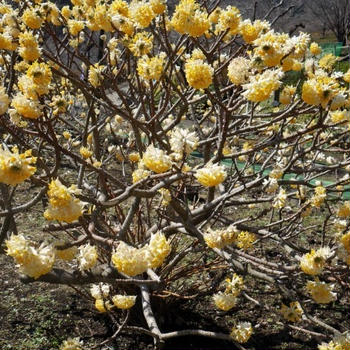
(274, 11)
(335, 15)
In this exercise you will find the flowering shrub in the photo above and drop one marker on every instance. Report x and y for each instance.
(153, 138)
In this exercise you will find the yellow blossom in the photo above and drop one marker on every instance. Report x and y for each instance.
(141, 44)
(315, 49)
(224, 301)
(124, 301)
(260, 86)
(33, 262)
(327, 61)
(63, 206)
(199, 74)
(158, 6)
(87, 257)
(26, 107)
(238, 70)
(321, 292)
(250, 31)
(319, 196)
(85, 152)
(72, 344)
(313, 263)
(29, 48)
(293, 312)
(188, 18)
(245, 240)
(234, 285)
(158, 249)
(4, 101)
(156, 160)
(32, 18)
(75, 27)
(16, 167)
(230, 19)
(221, 237)
(242, 332)
(141, 12)
(344, 210)
(95, 75)
(130, 260)
(39, 73)
(151, 67)
(183, 141)
(211, 175)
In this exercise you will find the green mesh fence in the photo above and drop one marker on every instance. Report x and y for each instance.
(333, 48)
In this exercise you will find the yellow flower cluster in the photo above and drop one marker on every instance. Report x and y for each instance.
(339, 342)
(211, 175)
(251, 31)
(166, 196)
(242, 332)
(315, 49)
(32, 18)
(339, 116)
(130, 260)
(183, 141)
(319, 197)
(224, 301)
(238, 70)
(33, 262)
(95, 76)
(229, 19)
(287, 94)
(158, 249)
(124, 301)
(26, 107)
(16, 167)
(199, 74)
(221, 237)
(142, 12)
(321, 292)
(134, 261)
(123, 24)
(188, 18)
(141, 44)
(327, 62)
(151, 67)
(28, 46)
(4, 101)
(67, 254)
(100, 292)
(72, 344)
(245, 240)
(313, 263)
(140, 173)
(87, 257)
(280, 200)
(85, 152)
(63, 205)
(319, 90)
(156, 160)
(344, 210)
(260, 86)
(227, 300)
(293, 312)
(234, 285)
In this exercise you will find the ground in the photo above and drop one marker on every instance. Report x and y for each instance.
(39, 316)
